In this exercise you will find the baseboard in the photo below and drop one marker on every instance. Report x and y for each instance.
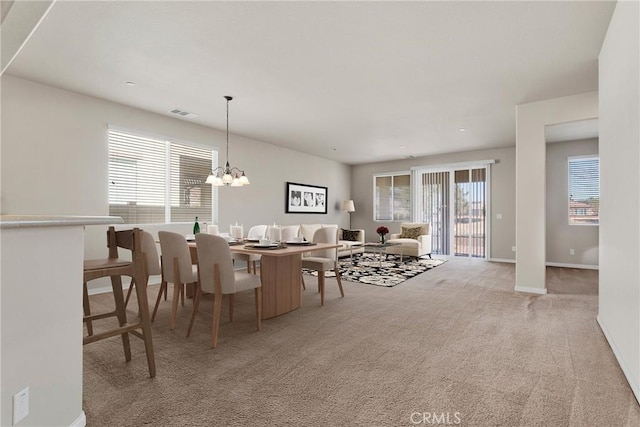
(625, 370)
(108, 289)
(541, 291)
(583, 266)
(510, 261)
(81, 421)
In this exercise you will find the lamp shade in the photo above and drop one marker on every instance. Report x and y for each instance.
(348, 206)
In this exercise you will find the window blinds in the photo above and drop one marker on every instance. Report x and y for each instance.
(584, 190)
(158, 181)
(393, 197)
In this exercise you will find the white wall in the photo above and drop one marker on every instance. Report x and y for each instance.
(530, 180)
(619, 71)
(42, 324)
(502, 193)
(54, 161)
(561, 237)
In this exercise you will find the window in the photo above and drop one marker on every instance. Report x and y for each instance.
(392, 197)
(584, 190)
(154, 180)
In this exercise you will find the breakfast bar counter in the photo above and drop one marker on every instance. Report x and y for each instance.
(41, 316)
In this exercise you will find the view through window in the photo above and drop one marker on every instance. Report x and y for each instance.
(392, 197)
(584, 190)
(155, 180)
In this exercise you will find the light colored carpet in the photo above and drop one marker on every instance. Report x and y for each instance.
(456, 339)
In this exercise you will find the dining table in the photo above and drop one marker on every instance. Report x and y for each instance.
(280, 273)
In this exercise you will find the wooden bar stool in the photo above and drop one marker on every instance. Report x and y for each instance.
(115, 268)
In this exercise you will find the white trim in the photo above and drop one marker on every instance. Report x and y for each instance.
(584, 156)
(625, 369)
(447, 166)
(541, 291)
(162, 137)
(81, 421)
(511, 261)
(583, 266)
(108, 289)
(392, 175)
(569, 160)
(103, 290)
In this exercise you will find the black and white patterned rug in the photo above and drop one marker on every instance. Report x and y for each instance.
(366, 268)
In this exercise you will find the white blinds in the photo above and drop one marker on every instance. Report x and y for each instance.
(393, 197)
(190, 196)
(147, 175)
(435, 209)
(384, 198)
(584, 190)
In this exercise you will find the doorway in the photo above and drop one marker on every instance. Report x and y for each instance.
(455, 202)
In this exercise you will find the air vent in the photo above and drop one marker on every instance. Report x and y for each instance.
(183, 113)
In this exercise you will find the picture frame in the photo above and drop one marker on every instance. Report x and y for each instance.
(305, 198)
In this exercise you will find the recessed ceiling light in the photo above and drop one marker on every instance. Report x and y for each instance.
(130, 83)
(403, 147)
(463, 130)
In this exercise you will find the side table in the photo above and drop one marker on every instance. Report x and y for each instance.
(380, 249)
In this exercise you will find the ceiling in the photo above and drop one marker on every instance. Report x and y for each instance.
(356, 82)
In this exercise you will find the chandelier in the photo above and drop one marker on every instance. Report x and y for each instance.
(226, 175)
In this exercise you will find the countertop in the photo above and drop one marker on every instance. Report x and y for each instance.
(30, 221)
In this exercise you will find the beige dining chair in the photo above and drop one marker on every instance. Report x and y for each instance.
(325, 260)
(217, 276)
(115, 267)
(256, 232)
(289, 232)
(177, 268)
(151, 264)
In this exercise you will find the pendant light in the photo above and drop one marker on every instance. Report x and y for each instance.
(227, 175)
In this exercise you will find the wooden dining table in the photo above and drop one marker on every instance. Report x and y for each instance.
(280, 273)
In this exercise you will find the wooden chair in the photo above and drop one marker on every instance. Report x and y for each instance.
(217, 276)
(115, 267)
(151, 264)
(176, 268)
(326, 260)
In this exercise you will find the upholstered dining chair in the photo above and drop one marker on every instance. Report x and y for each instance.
(116, 267)
(217, 276)
(151, 263)
(256, 232)
(325, 260)
(177, 268)
(289, 232)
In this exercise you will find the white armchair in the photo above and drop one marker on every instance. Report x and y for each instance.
(415, 240)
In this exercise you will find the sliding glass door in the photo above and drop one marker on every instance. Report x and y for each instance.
(455, 202)
(434, 209)
(469, 225)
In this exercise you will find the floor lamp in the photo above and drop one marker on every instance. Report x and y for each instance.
(348, 206)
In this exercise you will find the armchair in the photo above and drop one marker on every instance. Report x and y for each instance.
(415, 240)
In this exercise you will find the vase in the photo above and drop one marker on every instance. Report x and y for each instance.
(382, 239)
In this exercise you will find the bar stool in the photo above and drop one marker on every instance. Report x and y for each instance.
(114, 268)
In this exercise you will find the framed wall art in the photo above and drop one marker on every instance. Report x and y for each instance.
(304, 198)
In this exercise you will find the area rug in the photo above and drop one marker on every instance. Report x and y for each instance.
(367, 268)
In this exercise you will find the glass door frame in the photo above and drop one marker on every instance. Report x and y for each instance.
(416, 179)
